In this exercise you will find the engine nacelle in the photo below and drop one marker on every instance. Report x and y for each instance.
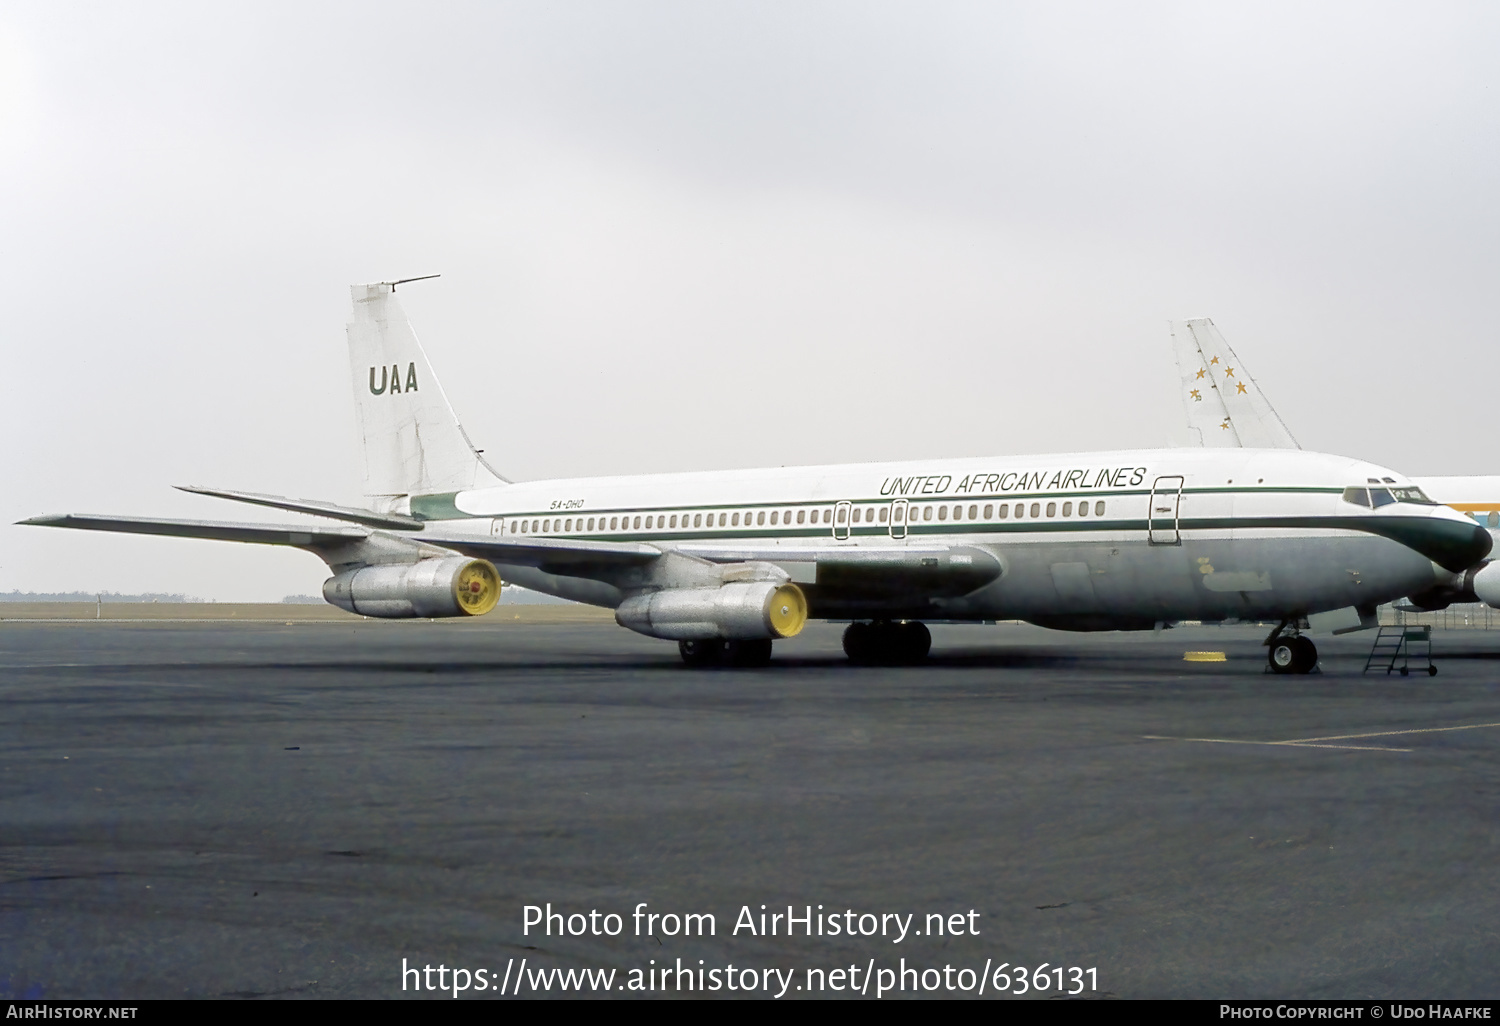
(1486, 584)
(451, 586)
(740, 611)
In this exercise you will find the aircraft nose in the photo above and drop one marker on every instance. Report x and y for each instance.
(1455, 545)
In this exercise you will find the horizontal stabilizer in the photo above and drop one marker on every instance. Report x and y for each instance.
(368, 517)
(216, 530)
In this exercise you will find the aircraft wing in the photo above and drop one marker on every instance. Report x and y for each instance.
(216, 530)
(935, 570)
(1225, 408)
(555, 555)
(928, 569)
(368, 517)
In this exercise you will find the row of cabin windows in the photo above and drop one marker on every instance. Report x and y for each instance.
(858, 514)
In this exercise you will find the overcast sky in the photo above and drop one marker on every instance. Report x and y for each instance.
(680, 236)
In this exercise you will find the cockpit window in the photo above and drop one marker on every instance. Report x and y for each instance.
(1382, 496)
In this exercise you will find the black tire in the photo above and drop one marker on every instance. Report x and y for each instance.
(914, 640)
(749, 653)
(702, 653)
(1431, 671)
(1404, 671)
(860, 643)
(1282, 656)
(1307, 655)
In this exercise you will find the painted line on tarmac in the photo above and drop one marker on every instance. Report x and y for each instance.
(1272, 744)
(1314, 742)
(1393, 733)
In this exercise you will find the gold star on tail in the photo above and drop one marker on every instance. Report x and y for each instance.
(1240, 387)
(1196, 397)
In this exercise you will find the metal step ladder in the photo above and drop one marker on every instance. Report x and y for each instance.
(1396, 645)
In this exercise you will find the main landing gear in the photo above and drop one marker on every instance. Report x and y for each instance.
(718, 652)
(1290, 653)
(887, 642)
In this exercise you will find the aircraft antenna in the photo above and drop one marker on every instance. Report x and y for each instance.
(403, 281)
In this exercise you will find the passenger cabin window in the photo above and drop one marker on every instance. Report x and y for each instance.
(760, 518)
(801, 515)
(885, 514)
(1052, 509)
(1099, 509)
(1004, 510)
(1083, 509)
(989, 511)
(926, 512)
(786, 518)
(1067, 509)
(1036, 509)
(942, 512)
(974, 513)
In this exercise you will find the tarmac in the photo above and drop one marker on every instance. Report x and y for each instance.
(266, 805)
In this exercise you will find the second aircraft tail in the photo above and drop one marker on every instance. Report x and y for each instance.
(1225, 407)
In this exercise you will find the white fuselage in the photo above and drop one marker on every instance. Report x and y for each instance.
(1088, 540)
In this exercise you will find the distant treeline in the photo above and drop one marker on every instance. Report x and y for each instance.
(91, 596)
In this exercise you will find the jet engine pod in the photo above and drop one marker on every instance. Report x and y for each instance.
(740, 611)
(452, 586)
(1486, 584)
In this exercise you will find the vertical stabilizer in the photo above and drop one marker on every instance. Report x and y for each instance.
(1225, 407)
(413, 443)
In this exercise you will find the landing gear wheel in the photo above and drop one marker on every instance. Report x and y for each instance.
(915, 640)
(884, 643)
(1432, 671)
(859, 643)
(1307, 655)
(748, 653)
(702, 653)
(1282, 657)
(1295, 654)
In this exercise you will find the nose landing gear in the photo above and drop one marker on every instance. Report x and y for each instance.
(1290, 653)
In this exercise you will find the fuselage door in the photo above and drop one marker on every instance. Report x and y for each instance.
(497, 526)
(841, 520)
(898, 518)
(1162, 514)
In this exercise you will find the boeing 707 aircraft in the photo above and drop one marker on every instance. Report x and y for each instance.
(726, 563)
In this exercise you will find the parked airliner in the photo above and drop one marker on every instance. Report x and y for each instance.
(726, 563)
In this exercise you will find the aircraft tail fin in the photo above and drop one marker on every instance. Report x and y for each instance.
(411, 439)
(1225, 407)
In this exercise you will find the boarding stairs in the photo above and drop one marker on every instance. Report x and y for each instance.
(1398, 644)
